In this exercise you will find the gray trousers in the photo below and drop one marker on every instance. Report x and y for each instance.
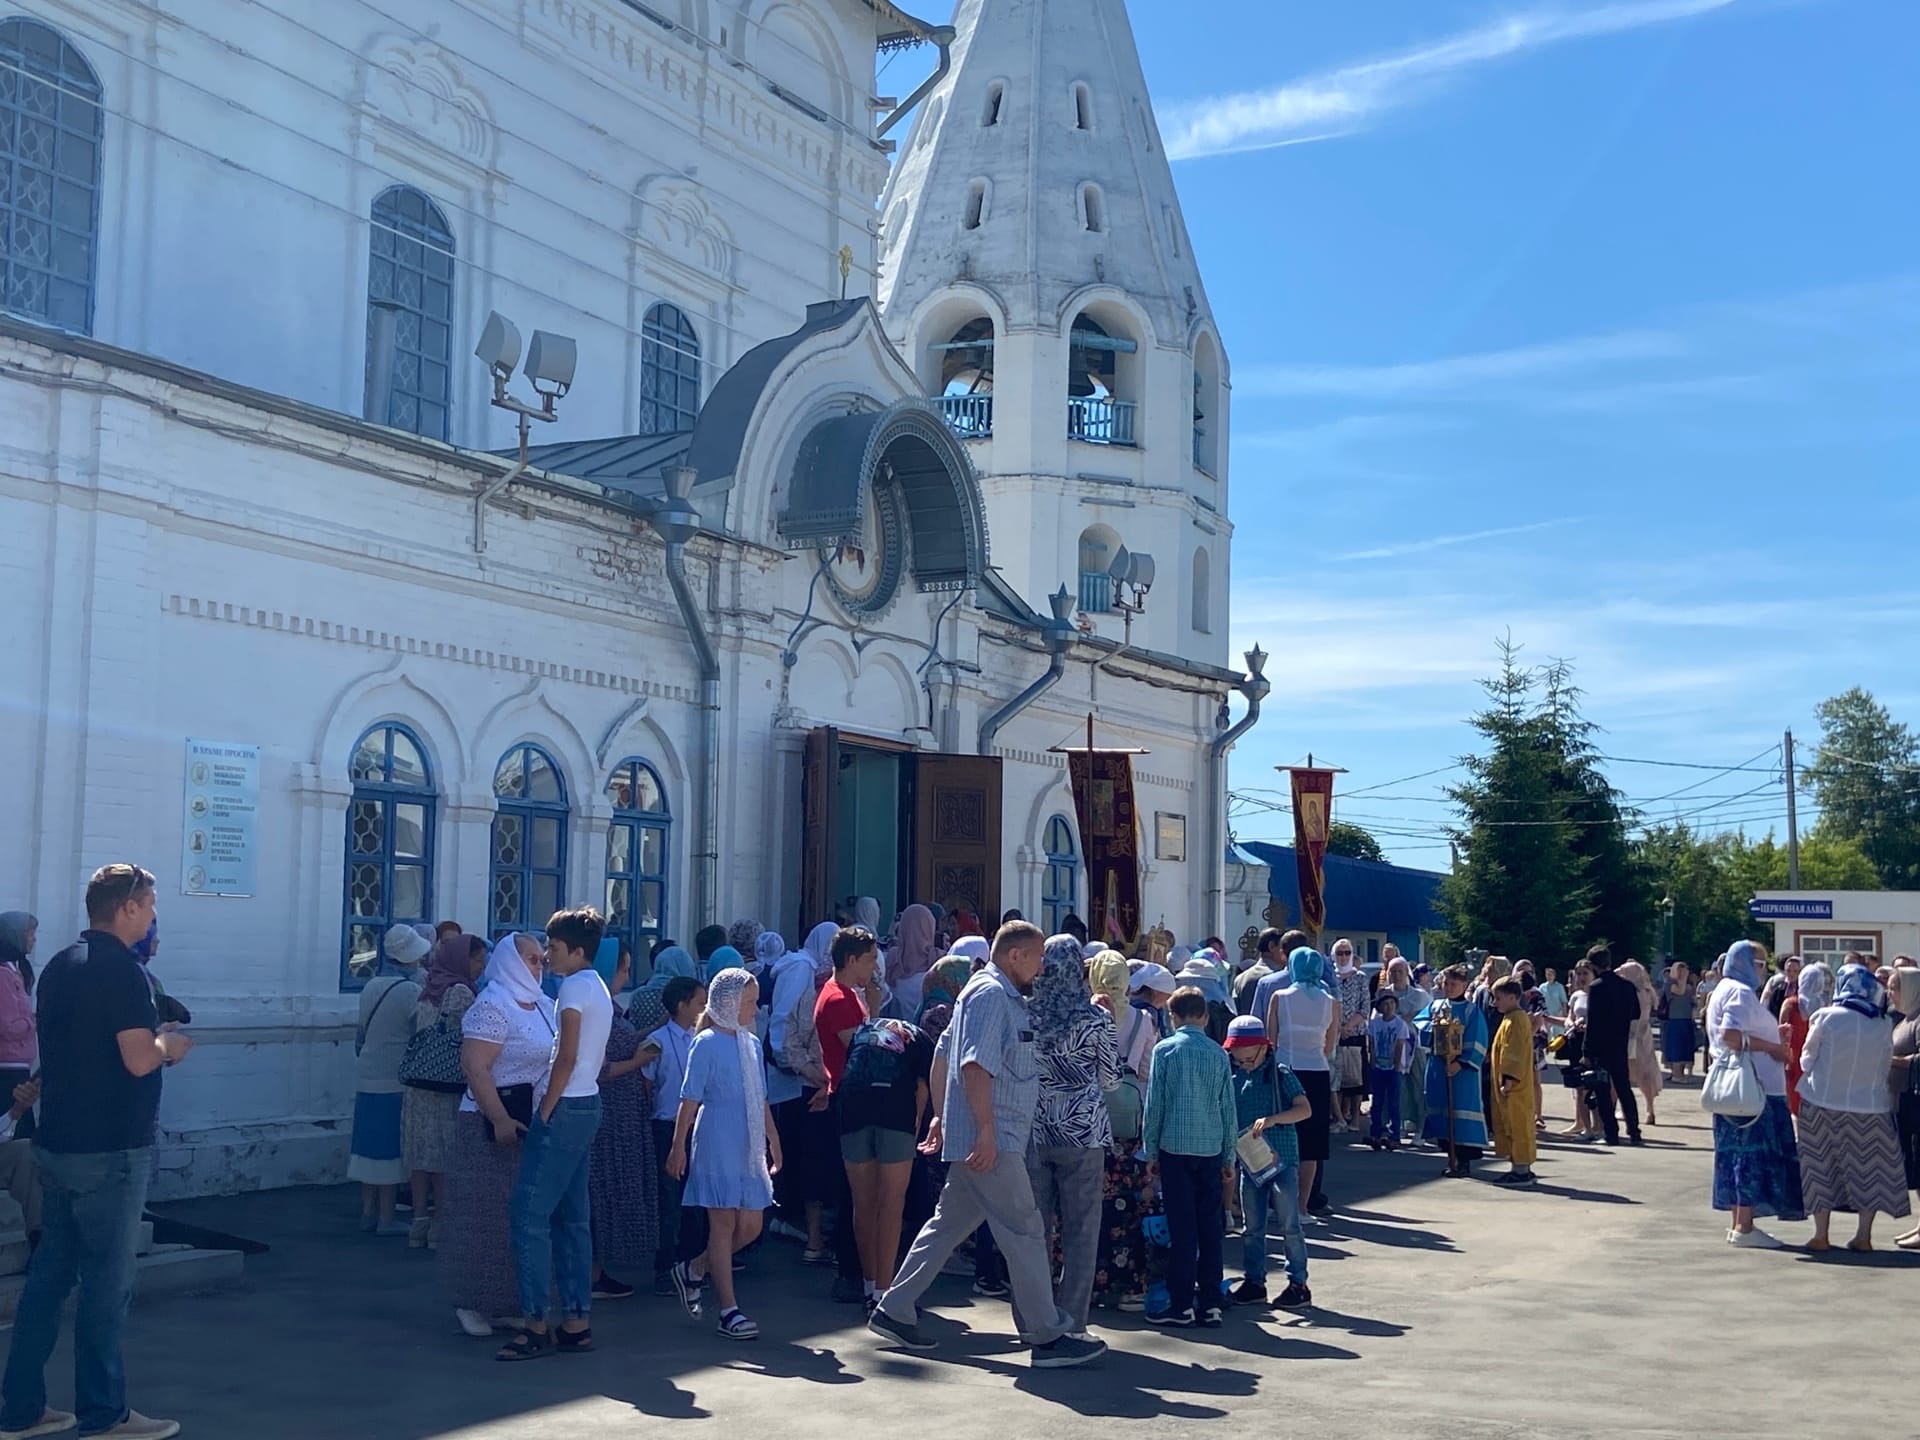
(1003, 1199)
(1068, 1182)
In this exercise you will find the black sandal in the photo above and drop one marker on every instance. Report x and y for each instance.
(526, 1346)
(578, 1341)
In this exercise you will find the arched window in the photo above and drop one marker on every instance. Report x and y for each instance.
(1202, 592)
(529, 855)
(1102, 376)
(1093, 209)
(966, 379)
(1206, 404)
(1082, 107)
(637, 855)
(389, 846)
(410, 314)
(1099, 544)
(996, 101)
(1060, 892)
(976, 207)
(669, 372)
(50, 129)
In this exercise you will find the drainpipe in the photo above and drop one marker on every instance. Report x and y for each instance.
(943, 36)
(484, 497)
(676, 522)
(1256, 689)
(1059, 637)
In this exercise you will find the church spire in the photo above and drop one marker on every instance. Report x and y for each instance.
(1036, 271)
(1037, 169)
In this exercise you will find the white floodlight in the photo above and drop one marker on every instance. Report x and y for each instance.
(499, 347)
(551, 360)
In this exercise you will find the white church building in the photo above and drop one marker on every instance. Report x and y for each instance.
(830, 532)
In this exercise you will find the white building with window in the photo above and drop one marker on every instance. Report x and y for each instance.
(1829, 925)
(784, 610)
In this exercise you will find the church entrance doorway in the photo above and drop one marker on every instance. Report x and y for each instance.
(903, 826)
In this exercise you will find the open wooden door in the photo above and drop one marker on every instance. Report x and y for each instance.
(819, 792)
(956, 825)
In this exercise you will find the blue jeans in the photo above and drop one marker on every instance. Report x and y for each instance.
(552, 1225)
(1279, 1198)
(1384, 1121)
(90, 1226)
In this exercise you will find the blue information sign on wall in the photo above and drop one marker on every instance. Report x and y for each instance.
(1790, 909)
(218, 834)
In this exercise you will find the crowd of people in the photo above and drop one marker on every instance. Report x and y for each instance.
(1075, 1128)
(1831, 1057)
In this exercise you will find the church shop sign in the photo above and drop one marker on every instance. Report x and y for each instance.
(1790, 909)
(220, 825)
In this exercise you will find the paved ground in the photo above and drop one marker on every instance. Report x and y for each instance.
(1603, 1305)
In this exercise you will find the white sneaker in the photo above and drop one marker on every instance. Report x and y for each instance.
(1754, 1240)
(53, 1422)
(141, 1427)
(474, 1323)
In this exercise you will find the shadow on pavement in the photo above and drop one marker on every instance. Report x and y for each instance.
(334, 1334)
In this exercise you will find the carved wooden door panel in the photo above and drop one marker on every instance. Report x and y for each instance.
(957, 833)
(819, 793)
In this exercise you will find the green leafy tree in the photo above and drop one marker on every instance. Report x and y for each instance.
(1622, 891)
(1520, 887)
(1352, 841)
(1866, 776)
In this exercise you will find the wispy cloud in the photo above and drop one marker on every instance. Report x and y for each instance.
(1457, 372)
(1340, 101)
(1447, 542)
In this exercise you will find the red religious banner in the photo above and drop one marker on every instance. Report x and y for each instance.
(1312, 822)
(1103, 802)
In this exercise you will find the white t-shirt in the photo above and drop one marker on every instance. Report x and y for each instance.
(586, 992)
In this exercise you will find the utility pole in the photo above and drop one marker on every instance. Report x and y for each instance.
(1793, 823)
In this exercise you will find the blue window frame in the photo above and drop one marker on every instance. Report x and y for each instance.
(669, 371)
(1060, 891)
(50, 132)
(637, 850)
(410, 278)
(529, 874)
(390, 822)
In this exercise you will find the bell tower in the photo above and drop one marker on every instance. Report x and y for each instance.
(1035, 266)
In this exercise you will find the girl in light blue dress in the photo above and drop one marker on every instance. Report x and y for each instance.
(723, 1109)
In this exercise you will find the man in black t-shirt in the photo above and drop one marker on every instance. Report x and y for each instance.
(101, 1052)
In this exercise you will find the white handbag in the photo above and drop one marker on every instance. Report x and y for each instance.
(1733, 1088)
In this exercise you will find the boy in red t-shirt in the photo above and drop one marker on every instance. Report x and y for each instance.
(850, 999)
(878, 1071)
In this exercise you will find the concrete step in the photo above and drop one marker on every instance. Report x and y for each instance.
(169, 1270)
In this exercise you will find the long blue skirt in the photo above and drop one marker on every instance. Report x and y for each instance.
(1677, 1041)
(1756, 1163)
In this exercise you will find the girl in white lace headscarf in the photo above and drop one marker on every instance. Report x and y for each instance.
(723, 1107)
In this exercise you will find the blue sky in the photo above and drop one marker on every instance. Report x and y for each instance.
(1598, 323)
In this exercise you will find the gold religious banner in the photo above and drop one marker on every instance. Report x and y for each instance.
(1103, 802)
(1312, 827)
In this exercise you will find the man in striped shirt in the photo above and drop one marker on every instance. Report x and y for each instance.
(1191, 1126)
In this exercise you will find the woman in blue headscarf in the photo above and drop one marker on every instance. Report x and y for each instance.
(1756, 1163)
(1850, 1150)
(668, 963)
(1303, 1026)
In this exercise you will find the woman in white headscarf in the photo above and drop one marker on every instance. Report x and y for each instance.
(736, 1149)
(1812, 992)
(797, 1090)
(1756, 1163)
(379, 1045)
(506, 1052)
